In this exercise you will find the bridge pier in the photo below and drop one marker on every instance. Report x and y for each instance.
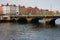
(0, 17)
(14, 19)
(29, 19)
(4, 18)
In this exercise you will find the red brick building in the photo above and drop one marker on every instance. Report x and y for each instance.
(57, 12)
(22, 10)
(1, 9)
(35, 11)
(51, 12)
(30, 10)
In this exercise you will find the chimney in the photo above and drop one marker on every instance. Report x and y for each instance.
(7, 4)
(2, 5)
(19, 5)
(23, 6)
(36, 8)
(14, 5)
(47, 10)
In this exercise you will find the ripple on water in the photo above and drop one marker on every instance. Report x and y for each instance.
(29, 32)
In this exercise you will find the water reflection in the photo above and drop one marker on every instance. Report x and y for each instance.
(29, 31)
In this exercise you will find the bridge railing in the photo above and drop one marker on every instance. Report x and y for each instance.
(37, 15)
(32, 15)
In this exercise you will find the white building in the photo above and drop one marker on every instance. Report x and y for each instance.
(17, 9)
(6, 9)
(12, 9)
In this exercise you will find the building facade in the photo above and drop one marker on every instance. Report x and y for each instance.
(12, 9)
(6, 9)
(22, 10)
(17, 10)
(1, 10)
(36, 11)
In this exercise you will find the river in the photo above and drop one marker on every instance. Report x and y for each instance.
(29, 31)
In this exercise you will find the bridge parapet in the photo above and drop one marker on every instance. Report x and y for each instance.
(35, 15)
(38, 15)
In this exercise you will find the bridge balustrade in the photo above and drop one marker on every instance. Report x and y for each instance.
(37, 15)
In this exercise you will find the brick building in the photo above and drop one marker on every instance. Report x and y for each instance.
(51, 12)
(1, 9)
(22, 10)
(13, 9)
(31, 10)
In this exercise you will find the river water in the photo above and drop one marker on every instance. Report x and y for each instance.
(29, 31)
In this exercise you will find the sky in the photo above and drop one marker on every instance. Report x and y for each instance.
(41, 4)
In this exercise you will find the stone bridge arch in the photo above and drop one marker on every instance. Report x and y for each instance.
(50, 20)
(22, 20)
(35, 20)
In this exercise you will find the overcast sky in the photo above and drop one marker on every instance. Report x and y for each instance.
(42, 4)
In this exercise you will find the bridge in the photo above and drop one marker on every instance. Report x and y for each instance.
(49, 18)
